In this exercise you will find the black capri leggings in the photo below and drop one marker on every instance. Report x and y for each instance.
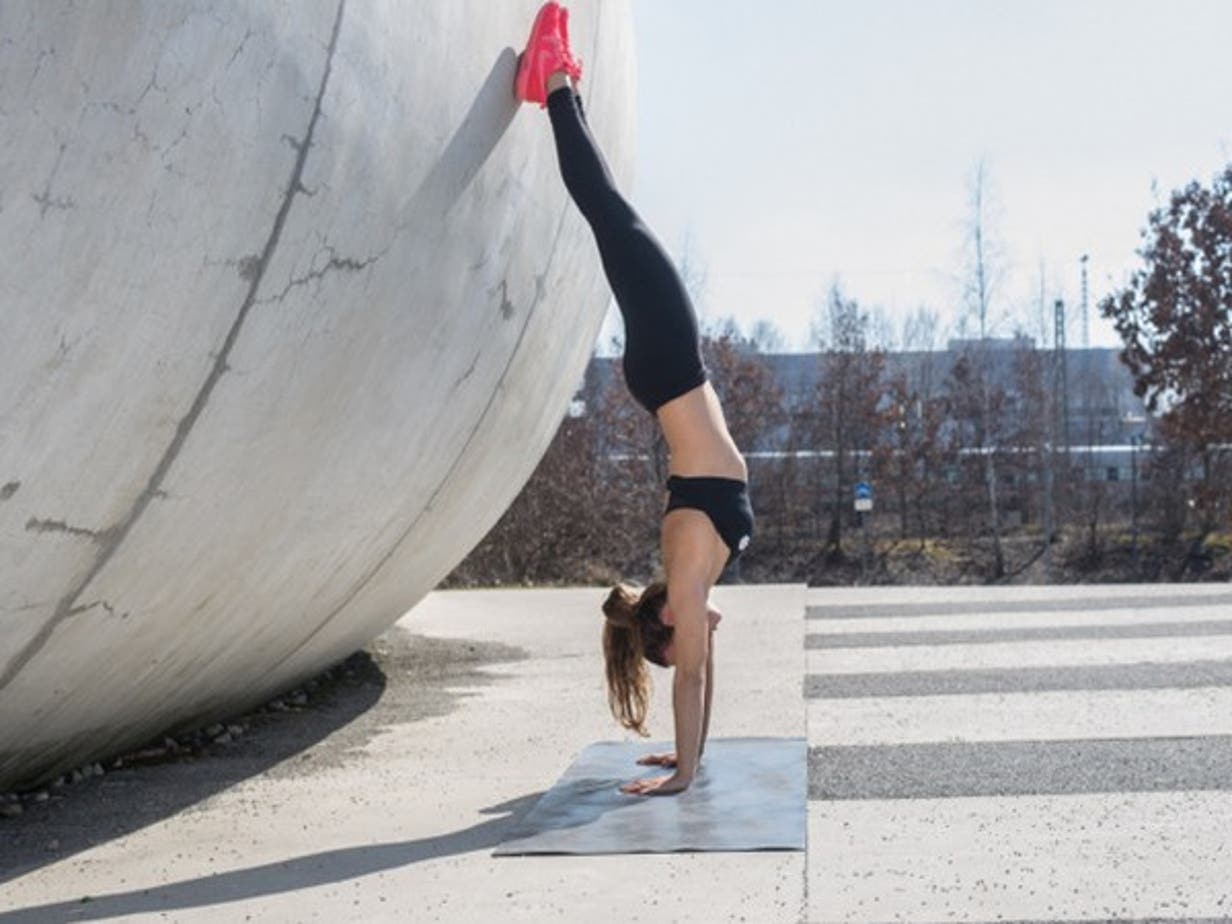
(662, 356)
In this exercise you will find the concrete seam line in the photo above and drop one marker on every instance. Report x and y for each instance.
(114, 536)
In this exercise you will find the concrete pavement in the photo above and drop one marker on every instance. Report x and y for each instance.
(398, 823)
(976, 754)
(1011, 771)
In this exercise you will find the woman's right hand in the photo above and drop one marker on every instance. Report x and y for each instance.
(658, 760)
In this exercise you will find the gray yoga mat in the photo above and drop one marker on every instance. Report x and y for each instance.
(749, 794)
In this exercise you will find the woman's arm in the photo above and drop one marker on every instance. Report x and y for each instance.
(691, 637)
(709, 694)
(669, 760)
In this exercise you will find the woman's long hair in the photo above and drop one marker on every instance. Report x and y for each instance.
(633, 634)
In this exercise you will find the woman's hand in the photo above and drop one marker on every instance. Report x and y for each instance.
(659, 786)
(658, 760)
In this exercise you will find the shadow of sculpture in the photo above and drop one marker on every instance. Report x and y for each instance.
(481, 129)
(303, 872)
(403, 678)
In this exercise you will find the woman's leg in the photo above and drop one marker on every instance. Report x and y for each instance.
(662, 358)
(582, 166)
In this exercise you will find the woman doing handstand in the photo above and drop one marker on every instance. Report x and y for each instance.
(708, 521)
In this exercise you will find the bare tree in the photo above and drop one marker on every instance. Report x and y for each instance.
(915, 419)
(1049, 400)
(767, 337)
(983, 270)
(753, 406)
(1029, 424)
(555, 524)
(847, 415)
(693, 271)
(752, 401)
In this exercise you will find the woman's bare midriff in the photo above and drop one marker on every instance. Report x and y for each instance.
(698, 442)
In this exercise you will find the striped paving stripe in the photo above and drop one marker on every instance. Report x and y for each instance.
(976, 622)
(1016, 655)
(1193, 628)
(1026, 760)
(958, 605)
(1056, 716)
(1145, 675)
(1020, 768)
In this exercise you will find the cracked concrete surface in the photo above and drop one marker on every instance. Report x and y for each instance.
(114, 536)
(333, 263)
(36, 525)
(46, 201)
(270, 308)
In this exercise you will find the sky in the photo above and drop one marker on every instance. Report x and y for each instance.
(784, 147)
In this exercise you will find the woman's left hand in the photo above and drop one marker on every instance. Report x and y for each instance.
(658, 786)
(658, 760)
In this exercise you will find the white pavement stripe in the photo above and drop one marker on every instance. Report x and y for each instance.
(1009, 655)
(1036, 858)
(1051, 716)
(974, 622)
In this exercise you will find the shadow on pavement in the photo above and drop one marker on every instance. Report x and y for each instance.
(284, 876)
(401, 678)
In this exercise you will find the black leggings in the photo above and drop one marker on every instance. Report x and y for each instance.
(662, 357)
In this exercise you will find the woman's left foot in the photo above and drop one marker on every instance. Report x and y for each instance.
(547, 53)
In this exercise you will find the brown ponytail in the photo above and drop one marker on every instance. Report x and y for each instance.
(633, 632)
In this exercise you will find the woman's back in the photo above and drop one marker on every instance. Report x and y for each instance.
(697, 436)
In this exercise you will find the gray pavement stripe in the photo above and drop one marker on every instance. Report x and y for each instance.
(1020, 768)
(1076, 604)
(1028, 633)
(1223, 920)
(1145, 676)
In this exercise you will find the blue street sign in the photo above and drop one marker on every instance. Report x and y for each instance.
(864, 491)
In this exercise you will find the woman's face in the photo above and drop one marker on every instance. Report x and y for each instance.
(669, 654)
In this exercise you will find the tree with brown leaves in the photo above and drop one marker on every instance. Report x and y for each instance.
(1175, 318)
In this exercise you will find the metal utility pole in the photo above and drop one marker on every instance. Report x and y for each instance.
(1093, 478)
(1048, 448)
(1059, 419)
(1086, 317)
(1088, 379)
(1134, 440)
(864, 511)
(1060, 380)
(1137, 436)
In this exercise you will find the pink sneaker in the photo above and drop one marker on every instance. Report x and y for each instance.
(572, 66)
(547, 52)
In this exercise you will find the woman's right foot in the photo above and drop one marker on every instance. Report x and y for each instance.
(572, 65)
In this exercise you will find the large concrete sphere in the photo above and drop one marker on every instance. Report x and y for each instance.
(293, 300)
